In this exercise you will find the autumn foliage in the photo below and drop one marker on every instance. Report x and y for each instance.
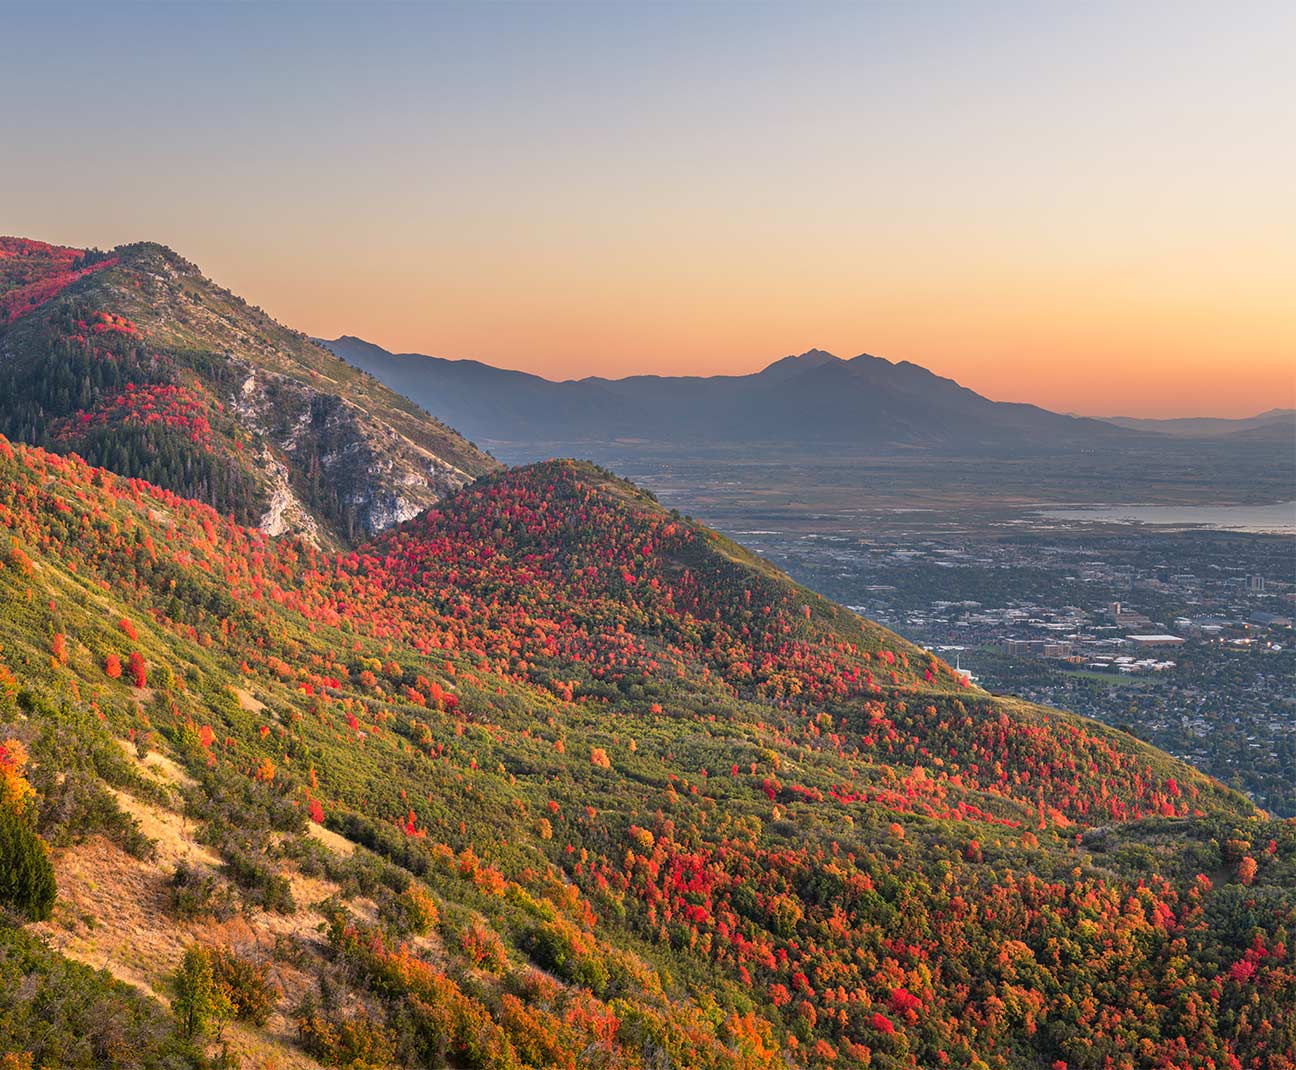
(809, 845)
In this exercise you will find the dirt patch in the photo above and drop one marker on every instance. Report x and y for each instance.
(112, 914)
(174, 833)
(157, 766)
(247, 700)
(339, 845)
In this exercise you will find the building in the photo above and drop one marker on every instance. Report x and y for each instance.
(1154, 640)
(1128, 618)
(1256, 584)
(1037, 648)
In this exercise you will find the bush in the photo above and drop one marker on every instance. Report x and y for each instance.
(560, 949)
(413, 911)
(483, 948)
(260, 883)
(246, 984)
(26, 874)
(196, 892)
(356, 1043)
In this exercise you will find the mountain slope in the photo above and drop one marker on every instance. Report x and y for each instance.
(806, 402)
(564, 777)
(136, 361)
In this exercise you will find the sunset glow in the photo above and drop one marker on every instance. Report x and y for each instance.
(1087, 208)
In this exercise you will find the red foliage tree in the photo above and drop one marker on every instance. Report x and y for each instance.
(135, 668)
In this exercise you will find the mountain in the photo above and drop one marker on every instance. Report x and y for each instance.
(1275, 422)
(136, 361)
(550, 776)
(809, 402)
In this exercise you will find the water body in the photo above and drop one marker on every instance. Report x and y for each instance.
(1276, 519)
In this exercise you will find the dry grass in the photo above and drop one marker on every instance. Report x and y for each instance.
(113, 913)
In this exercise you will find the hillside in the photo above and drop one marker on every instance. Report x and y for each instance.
(549, 776)
(800, 403)
(134, 360)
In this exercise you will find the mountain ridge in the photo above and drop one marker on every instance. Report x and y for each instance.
(1274, 422)
(812, 398)
(139, 361)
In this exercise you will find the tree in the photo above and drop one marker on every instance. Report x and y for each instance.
(26, 874)
(200, 1006)
(1247, 869)
(135, 666)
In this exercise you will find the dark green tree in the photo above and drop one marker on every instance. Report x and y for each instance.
(26, 875)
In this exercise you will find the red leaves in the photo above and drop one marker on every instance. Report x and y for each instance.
(32, 273)
(175, 407)
(135, 669)
(904, 1002)
(1246, 870)
(1242, 971)
(112, 667)
(841, 929)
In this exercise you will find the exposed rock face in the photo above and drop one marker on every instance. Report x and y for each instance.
(370, 474)
(188, 386)
(285, 514)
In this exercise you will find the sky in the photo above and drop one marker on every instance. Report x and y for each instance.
(1085, 206)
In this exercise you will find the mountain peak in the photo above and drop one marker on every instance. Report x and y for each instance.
(795, 365)
(186, 385)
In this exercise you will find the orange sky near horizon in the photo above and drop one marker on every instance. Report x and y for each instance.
(1086, 207)
(1140, 341)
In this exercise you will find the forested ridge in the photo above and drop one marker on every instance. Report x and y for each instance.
(135, 361)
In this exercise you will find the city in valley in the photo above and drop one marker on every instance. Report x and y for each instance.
(1180, 634)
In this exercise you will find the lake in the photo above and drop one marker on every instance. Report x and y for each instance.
(1278, 518)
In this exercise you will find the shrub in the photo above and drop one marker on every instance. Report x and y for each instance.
(260, 883)
(26, 874)
(196, 892)
(356, 1043)
(246, 984)
(415, 911)
(561, 949)
(483, 947)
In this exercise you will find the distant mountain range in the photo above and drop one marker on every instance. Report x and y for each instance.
(812, 401)
(1276, 423)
